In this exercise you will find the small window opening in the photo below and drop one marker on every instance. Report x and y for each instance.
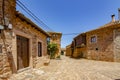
(0, 48)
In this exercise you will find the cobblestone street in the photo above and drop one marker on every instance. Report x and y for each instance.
(72, 69)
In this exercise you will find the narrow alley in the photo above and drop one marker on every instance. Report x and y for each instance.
(72, 69)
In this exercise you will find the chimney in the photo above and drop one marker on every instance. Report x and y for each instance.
(113, 18)
(119, 13)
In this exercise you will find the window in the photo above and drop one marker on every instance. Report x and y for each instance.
(0, 31)
(93, 39)
(39, 49)
(0, 34)
(48, 40)
(0, 48)
(80, 40)
(54, 36)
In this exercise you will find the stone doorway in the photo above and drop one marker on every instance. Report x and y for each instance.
(22, 52)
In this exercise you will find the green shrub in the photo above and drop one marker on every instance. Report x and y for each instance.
(58, 56)
(52, 48)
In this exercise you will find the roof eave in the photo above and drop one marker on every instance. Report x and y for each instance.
(20, 15)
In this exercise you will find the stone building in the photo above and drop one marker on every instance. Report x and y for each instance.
(101, 43)
(80, 46)
(68, 50)
(55, 37)
(63, 51)
(21, 41)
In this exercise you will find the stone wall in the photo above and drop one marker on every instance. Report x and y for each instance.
(68, 50)
(1, 12)
(102, 49)
(8, 49)
(35, 36)
(117, 45)
(80, 52)
(6, 57)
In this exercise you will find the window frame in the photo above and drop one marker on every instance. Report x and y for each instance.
(40, 49)
(93, 39)
(1, 49)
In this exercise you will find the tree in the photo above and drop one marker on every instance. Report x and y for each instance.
(52, 48)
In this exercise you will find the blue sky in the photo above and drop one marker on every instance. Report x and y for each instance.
(72, 16)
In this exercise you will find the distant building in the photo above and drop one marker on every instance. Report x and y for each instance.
(99, 44)
(68, 50)
(63, 51)
(55, 37)
(103, 43)
(80, 46)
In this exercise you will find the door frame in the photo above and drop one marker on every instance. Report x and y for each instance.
(20, 33)
(24, 55)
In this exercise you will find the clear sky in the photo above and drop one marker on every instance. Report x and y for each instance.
(72, 16)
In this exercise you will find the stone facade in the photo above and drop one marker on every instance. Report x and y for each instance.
(102, 48)
(55, 37)
(80, 52)
(117, 45)
(63, 51)
(68, 50)
(101, 44)
(21, 26)
(106, 47)
(27, 29)
(6, 17)
(79, 46)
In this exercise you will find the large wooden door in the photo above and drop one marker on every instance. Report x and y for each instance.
(22, 52)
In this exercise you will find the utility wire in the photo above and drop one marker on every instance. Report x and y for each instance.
(22, 6)
(71, 34)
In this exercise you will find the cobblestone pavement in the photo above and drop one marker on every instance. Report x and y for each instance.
(72, 69)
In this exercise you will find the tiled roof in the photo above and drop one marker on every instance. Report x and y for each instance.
(106, 25)
(110, 24)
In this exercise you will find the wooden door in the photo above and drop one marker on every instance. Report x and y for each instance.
(22, 52)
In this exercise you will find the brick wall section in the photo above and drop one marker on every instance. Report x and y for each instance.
(103, 48)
